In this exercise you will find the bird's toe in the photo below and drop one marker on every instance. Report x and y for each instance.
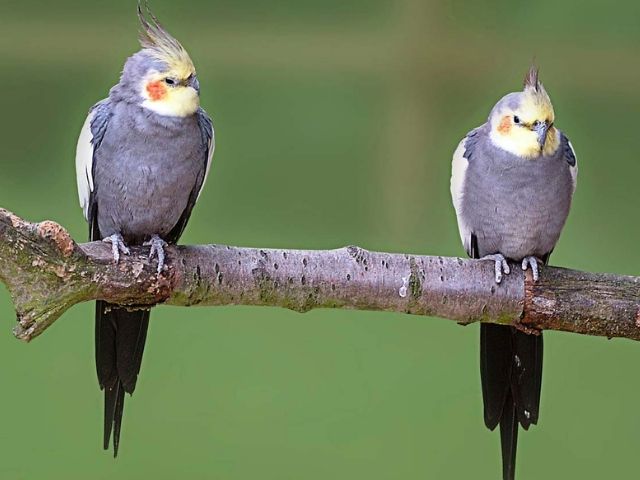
(533, 263)
(157, 245)
(117, 246)
(501, 266)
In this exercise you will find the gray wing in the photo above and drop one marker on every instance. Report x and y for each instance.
(569, 155)
(89, 142)
(208, 146)
(208, 140)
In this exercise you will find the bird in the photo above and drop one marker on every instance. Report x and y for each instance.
(512, 183)
(142, 159)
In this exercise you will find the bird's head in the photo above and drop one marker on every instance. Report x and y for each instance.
(522, 122)
(162, 73)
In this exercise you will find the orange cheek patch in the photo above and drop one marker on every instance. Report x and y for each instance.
(505, 125)
(156, 90)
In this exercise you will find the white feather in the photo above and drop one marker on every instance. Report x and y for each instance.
(212, 147)
(84, 165)
(458, 172)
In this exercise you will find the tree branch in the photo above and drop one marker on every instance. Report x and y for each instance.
(46, 273)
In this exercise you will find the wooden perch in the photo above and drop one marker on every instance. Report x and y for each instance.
(46, 273)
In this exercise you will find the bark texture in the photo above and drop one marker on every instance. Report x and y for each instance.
(46, 273)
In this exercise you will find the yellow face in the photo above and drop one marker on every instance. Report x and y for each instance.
(172, 93)
(526, 131)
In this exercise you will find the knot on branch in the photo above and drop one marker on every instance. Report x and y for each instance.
(47, 234)
(58, 235)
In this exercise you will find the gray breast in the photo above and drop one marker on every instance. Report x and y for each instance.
(145, 171)
(516, 206)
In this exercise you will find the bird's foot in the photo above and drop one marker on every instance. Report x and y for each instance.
(117, 246)
(533, 263)
(157, 250)
(501, 265)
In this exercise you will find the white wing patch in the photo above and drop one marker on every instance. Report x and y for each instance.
(573, 169)
(84, 165)
(458, 172)
(211, 148)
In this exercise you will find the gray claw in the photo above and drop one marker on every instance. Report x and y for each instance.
(157, 249)
(117, 246)
(501, 265)
(533, 262)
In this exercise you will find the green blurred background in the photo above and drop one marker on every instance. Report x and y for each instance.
(335, 124)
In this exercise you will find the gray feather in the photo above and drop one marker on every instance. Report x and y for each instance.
(145, 171)
(515, 206)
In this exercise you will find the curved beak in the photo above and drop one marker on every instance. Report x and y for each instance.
(194, 83)
(541, 131)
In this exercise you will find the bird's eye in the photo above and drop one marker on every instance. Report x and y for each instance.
(170, 81)
(516, 119)
(536, 124)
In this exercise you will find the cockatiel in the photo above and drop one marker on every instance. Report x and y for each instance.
(142, 159)
(512, 183)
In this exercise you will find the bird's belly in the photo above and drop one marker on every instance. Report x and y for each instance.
(518, 223)
(153, 215)
(516, 239)
(143, 200)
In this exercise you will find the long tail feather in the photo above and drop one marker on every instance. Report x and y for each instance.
(509, 438)
(120, 339)
(511, 372)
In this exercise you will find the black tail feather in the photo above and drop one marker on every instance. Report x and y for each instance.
(113, 409)
(110, 399)
(529, 351)
(509, 438)
(511, 372)
(120, 339)
(117, 420)
(496, 360)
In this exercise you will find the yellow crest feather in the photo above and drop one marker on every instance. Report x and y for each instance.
(536, 98)
(161, 45)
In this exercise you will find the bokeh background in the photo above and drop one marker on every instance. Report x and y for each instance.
(335, 124)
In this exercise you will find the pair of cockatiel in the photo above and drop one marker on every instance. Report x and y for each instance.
(144, 154)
